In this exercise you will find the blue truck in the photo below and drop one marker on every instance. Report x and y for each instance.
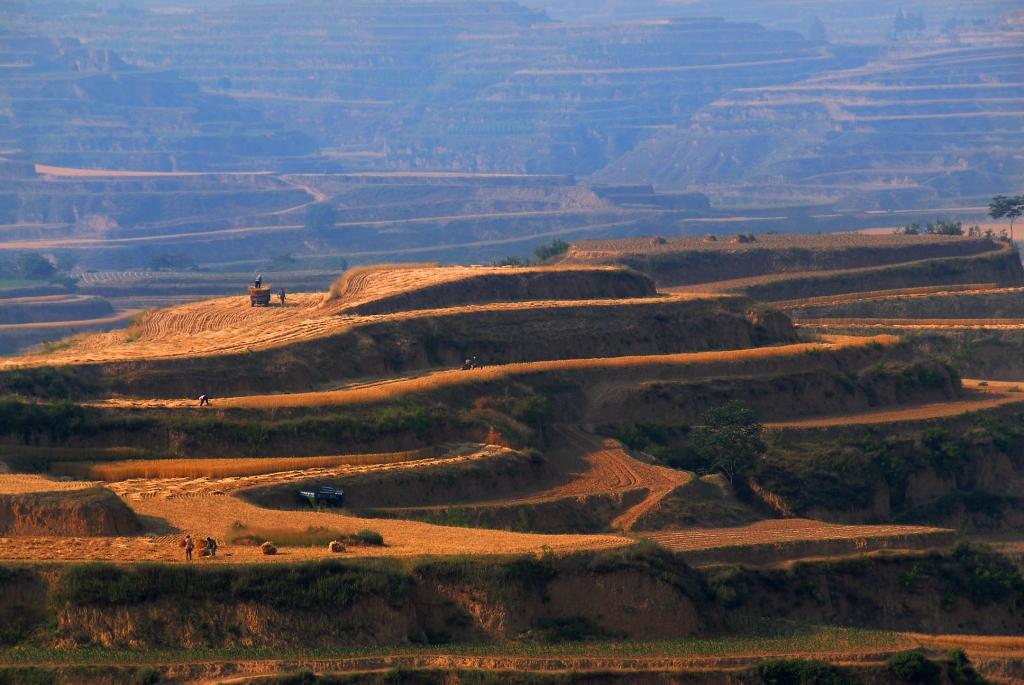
(324, 495)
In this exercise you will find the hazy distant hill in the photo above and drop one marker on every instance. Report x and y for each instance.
(461, 86)
(924, 129)
(78, 105)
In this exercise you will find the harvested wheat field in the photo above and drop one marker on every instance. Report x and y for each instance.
(221, 468)
(229, 326)
(21, 483)
(392, 287)
(382, 391)
(202, 506)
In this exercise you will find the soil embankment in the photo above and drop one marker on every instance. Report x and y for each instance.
(689, 261)
(391, 289)
(85, 512)
(633, 594)
(380, 347)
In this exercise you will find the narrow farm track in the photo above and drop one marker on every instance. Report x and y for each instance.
(913, 324)
(175, 488)
(778, 531)
(740, 284)
(980, 395)
(118, 318)
(896, 294)
(390, 389)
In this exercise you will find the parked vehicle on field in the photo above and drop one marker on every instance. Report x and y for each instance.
(323, 495)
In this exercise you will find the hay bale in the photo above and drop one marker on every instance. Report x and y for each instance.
(336, 546)
(268, 548)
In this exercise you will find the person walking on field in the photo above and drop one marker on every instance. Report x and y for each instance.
(211, 545)
(189, 545)
(281, 295)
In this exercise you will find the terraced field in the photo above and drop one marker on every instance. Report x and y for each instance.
(784, 531)
(189, 494)
(981, 395)
(368, 393)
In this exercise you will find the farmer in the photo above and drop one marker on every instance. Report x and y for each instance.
(259, 281)
(211, 545)
(189, 545)
(281, 295)
(204, 401)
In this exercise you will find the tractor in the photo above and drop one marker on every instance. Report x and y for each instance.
(259, 296)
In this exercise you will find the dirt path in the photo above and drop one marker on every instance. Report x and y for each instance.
(120, 317)
(897, 294)
(913, 324)
(175, 488)
(73, 172)
(740, 284)
(777, 531)
(977, 398)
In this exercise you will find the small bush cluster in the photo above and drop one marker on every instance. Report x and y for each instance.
(802, 672)
(913, 667)
(314, 536)
(329, 584)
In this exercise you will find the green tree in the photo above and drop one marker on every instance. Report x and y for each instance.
(913, 667)
(34, 267)
(943, 227)
(909, 229)
(171, 261)
(319, 216)
(556, 248)
(731, 439)
(1003, 207)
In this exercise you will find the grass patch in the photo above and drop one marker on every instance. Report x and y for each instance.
(314, 536)
(321, 586)
(775, 638)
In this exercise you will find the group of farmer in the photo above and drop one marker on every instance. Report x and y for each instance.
(189, 545)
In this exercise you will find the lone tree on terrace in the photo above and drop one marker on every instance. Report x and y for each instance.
(730, 439)
(1007, 207)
